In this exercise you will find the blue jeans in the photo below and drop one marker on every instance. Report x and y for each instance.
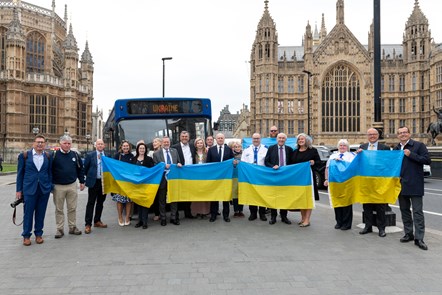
(34, 206)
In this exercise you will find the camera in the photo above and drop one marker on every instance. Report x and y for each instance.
(17, 202)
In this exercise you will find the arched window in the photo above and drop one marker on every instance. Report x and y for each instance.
(35, 53)
(340, 100)
(2, 48)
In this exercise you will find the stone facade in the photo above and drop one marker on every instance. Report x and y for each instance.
(226, 122)
(44, 86)
(339, 71)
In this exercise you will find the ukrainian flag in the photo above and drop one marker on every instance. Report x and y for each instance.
(289, 187)
(201, 182)
(138, 183)
(372, 177)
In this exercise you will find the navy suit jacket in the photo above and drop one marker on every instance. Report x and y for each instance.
(90, 168)
(381, 147)
(29, 178)
(272, 156)
(213, 156)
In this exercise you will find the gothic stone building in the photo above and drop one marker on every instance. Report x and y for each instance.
(44, 86)
(339, 71)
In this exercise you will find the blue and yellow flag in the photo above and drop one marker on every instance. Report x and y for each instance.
(289, 187)
(202, 182)
(372, 177)
(138, 183)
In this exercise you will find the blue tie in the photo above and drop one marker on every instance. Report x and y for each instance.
(169, 161)
(340, 156)
(255, 155)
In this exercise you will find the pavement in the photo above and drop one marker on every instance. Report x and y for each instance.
(198, 257)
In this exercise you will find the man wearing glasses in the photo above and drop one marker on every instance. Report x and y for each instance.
(34, 184)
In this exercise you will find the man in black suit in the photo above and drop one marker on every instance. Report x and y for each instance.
(373, 144)
(167, 155)
(412, 191)
(186, 153)
(278, 155)
(219, 153)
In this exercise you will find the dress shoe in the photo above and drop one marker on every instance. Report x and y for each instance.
(175, 221)
(263, 217)
(382, 233)
(100, 224)
(145, 226)
(27, 242)
(212, 219)
(304, 224)
(87, 229)
(59, 234)
(120, 223)
(345, 227)
(407, 238)
(189, 216)
(337, 226)
(366, 230)
(253, 217)
(39, 240)
(286, 220)
(240, 214)
(163, 222)
(139, 224)
(74, 231)
(421, 244)
(272, 220)
(226, 219)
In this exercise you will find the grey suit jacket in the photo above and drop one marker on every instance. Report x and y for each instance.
(381, 147)
(158, 156)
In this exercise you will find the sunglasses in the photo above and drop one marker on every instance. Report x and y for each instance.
(273, 130)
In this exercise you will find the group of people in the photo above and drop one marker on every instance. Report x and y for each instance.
(39, 173)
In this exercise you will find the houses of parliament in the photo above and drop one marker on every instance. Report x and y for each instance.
(45, 86)
(339, 70)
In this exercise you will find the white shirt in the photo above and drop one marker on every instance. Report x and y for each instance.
(375, 146)
(248, 155)
(347, 157)
(187, 154)
(38, 159)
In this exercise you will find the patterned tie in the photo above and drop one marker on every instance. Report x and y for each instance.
(371, 147)
(100, 167)
(255, 156)
(169, 160)
(281, 156)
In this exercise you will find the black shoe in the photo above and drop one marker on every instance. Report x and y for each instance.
(163, 222)
(367, 230)
(189, 216)
(345, 227)
(272, 220)
(286, 220)
(263, 217)
(144, 226)
(226, 219)
(407, 238)
(212, 219)
(175, 221)
(337, 226)
(421, 244)
(253, 217)
(382, 233)
(138, 224)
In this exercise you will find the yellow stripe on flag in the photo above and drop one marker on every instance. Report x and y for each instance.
(185, 190)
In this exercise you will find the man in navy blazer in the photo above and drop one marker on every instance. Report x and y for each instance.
(93, 170)
(34, 184)
(274, 161)
(412, 190)
(373, 144)
(219, 153)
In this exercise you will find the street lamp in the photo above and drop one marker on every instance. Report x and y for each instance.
(164, 71)
(35, 130)
(309, 74)
(88, 136)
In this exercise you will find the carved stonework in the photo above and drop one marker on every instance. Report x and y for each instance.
(58, 60)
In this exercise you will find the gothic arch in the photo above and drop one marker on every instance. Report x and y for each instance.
(35, 52)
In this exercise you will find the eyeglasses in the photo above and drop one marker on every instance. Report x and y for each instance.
(39, 142)
(403, 132)
(255, 138)
(273, 130)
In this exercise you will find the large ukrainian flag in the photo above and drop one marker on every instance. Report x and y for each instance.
(202, 182)
(138, 183)
(372, 177)
(289, 187)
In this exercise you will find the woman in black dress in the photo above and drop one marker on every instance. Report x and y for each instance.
(142, 159)
(306, 153)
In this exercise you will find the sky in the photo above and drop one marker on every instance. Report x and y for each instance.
(209, 40)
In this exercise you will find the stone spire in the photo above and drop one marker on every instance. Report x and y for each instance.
(15, 31)
(323, 32)
(86, 56)
(340, 12)
(417, 17)
(66, 14)
(70, 43)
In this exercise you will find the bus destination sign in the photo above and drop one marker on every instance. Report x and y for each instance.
(150, 107)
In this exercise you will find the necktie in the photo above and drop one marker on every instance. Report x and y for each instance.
(371, 147)
(100, 167)
(255, 156)
(281, 156)
(169, 160)
(340, 156)
(220, 153)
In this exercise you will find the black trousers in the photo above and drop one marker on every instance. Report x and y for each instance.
(344, 216)
(214, 207)
(254, 210)
(95, 195)
(380, 215)
(282, 212)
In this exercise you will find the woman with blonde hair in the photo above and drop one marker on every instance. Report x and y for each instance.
(200, 209)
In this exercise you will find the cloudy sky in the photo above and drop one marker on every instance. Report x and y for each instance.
(210, 41)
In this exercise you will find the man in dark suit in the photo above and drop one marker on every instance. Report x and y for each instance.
(186, 153)
(219, 153)
(412, 191)
(167, 155)
(278, 155)
(93, 170)
(34, 184)
(373, 144)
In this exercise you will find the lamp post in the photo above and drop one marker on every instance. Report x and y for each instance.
(164, 71)
(309, 74)
(35, 130)
(88, 136)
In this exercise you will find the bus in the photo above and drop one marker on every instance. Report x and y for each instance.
(135, 119)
